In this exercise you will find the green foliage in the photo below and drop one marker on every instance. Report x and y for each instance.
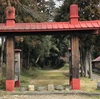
(63, 12)
(96, 51)
(88, 10)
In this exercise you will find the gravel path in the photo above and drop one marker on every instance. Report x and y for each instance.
(45, 97)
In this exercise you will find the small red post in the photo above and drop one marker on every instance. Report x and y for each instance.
(75, 84)
(17, 83)
(74, 14)
(10, 16)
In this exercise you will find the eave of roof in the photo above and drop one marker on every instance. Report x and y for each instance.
(97, 59)
(51, 26)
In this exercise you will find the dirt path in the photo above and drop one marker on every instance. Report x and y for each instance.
(46, 97)
(58, 71)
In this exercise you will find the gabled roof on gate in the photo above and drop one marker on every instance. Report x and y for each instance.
(51, 26)
(97, 59)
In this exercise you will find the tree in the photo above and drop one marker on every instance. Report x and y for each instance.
(88, 10)
(63, 12)
(2, 54)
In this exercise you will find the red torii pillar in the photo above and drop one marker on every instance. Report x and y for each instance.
(10, 17)
(75, 81)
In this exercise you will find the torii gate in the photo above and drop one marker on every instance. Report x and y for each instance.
(73, 28)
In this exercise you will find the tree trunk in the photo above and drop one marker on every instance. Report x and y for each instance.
(1, 57)
(90, 65)
(43, 5)
(82, 62)
(28, 61)
(86, 64)
(35, 5)
(37, 59)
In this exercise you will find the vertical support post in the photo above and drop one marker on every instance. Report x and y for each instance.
(10, 63)
(75, 49)
(10, 22)
(17, 67)
(75, 62)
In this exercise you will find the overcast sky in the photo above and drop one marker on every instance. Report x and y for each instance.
(57, 2)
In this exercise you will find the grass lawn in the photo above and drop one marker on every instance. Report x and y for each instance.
(39, 77)
(88, 85)
(45, 77)
(56, 77)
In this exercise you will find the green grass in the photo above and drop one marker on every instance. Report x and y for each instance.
(44, 77)
(88, 85)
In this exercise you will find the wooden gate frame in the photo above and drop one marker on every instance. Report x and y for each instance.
(74, 27)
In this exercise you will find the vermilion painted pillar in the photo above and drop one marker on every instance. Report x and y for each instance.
(75, 63)
(75, 81)
(10, 17)
(10, 63)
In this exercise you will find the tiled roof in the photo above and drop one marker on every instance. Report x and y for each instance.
(51, 26)
(97, 59)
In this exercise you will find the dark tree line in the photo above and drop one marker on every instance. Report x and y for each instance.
(89, 48)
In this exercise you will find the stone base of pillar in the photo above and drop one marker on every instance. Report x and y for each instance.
(10, 85)
(75, 84)
(17, 83)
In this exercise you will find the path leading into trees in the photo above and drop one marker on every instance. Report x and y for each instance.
(45, 77)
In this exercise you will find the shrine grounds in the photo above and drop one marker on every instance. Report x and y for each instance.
(48, 97)
(57, 77)
(39, 77)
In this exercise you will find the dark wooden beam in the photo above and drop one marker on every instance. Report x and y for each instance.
(10, 63)
(75, 62)
(75, 56)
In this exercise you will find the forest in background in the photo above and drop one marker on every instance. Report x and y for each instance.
(51, 51)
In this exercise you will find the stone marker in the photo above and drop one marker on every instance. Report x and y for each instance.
(59, 87)
(41, 88)
(31, 88)
(51, 87)
(23, 89)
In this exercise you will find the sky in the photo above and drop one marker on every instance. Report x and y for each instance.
(57, 2)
